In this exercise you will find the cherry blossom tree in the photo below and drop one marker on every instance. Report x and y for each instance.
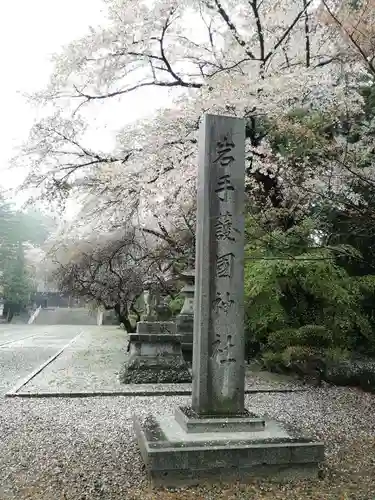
(253, 59)
(355, 21)
(301, 74)
(113, 269)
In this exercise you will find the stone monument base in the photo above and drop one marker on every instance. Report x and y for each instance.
(192, 422)
(184, 450)
(155, 356)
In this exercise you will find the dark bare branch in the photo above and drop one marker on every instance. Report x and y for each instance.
(224, 15)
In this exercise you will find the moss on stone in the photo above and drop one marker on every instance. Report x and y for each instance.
(163, 370)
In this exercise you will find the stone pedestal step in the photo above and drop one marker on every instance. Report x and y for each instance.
(174, 457)
(155, 355)
(193, 423)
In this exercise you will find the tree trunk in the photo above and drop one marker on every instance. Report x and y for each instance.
(123, 317)
(10, 314)
(134, 310)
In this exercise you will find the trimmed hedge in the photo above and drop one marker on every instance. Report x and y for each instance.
(336, 367)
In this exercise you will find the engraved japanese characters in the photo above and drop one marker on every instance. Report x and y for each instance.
(218, 385)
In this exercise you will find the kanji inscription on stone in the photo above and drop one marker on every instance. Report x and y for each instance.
(224, 265)
(218, 355)
(224, 150)
(227, 352)
(223, 353)
(224, 227)
(223, 302)
(224, 186)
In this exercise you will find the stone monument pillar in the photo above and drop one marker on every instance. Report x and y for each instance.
(216, 438)
(218, 352)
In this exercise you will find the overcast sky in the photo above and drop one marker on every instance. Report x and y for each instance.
(32, 30)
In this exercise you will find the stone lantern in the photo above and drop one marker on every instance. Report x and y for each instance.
(155, 354)
(150, 300)
(185, 319)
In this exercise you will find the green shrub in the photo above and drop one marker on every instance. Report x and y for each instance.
(308, 335)
(282, 361)
(367, 380)
(175, 305)
(336, 355)
(297, 353)
(334, 365)
(273, 361)
(303, 361)
(315, 336)
(344, 373)
(297, 293)
(281, 339)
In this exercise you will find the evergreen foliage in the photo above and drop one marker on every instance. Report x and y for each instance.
(298, 294)
(17, 229)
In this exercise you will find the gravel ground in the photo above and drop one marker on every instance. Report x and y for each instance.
(75, 449)
(84, 449)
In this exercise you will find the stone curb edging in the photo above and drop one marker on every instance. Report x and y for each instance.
(134, 393)
(34, 315)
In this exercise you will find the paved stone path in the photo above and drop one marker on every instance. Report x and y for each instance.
(66, 316)
(90, 363)
(23, 348)
(89, 359)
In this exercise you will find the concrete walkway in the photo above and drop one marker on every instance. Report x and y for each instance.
(66, 316)
(89, 363)
(24, 348)
(69, 360)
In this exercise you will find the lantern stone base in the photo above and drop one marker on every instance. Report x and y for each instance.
(182, 455)
(185, 324)
(155, 356)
